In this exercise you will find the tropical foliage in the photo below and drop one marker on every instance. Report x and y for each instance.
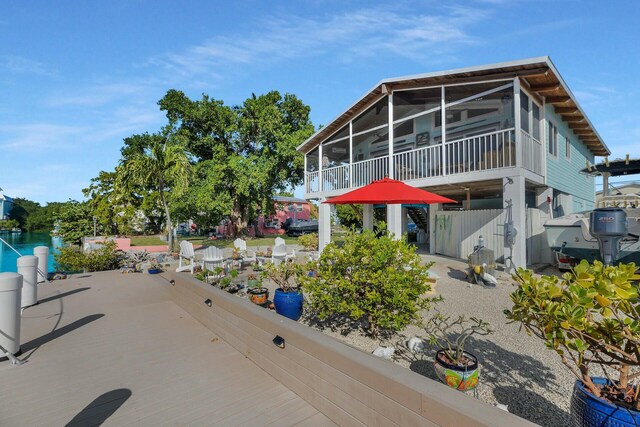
(209, 162)
(309, 241)
(32, 216)
(74, 221)
(106, 257)
(162, 166)
(379, 282)
(589, 317)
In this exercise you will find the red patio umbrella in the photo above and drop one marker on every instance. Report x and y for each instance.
(390, 192)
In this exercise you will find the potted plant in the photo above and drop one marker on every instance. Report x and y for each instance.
(252, 281)
(590, 317)
(225, 282)
(258, 295)
(453, 365)
(288, 297)
(154, 267)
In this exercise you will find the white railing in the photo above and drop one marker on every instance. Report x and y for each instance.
(483, 152)
(369, 170)
(531, 153)
(312, 182)
(492, 150)
(335, 178)
(417, 164)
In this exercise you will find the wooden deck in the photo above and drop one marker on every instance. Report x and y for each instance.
(113, 349)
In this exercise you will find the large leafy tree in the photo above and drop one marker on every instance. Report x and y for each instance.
(244, 154)
(157, 164)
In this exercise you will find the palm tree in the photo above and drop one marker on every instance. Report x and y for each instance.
(160, 166)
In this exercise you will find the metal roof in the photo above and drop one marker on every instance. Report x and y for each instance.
(539, 75)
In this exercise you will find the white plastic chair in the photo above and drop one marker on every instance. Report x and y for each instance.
(186, 254)
(279, 241)
(279, 254)
(240, 244)
(214, 257)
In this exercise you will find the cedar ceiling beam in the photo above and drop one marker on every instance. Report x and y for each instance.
(583, 133)
(572, 118)
(566, 110)
(545, 87)
(557, 99)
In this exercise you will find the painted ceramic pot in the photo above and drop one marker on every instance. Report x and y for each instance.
(459, 377)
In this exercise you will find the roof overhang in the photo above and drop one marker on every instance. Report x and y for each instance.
(538, 75)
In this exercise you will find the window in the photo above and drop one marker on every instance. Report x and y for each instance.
(524, 112)
(535, 123)
(567, 148)
(552, 140)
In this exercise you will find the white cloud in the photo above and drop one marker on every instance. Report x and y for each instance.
(96, 95)
(361, 33)
(38, 136)
(20, 65)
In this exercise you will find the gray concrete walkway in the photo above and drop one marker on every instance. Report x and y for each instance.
(111, 348)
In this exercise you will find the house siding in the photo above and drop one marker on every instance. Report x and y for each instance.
(562, 173)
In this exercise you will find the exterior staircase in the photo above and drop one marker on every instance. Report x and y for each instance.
(419, 217)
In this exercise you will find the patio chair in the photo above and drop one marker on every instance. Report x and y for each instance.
(279, 241)
(279, 254)
(240, 244)
(248, 256)
(212, 257)
(186, 254)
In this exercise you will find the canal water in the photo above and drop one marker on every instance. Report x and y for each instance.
(24, 243)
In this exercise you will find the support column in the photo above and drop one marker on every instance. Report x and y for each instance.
(367, 217)
(605, 184)
(544, 197)
(394, 220)
(324, 225)
(433, 210)
(515, 233)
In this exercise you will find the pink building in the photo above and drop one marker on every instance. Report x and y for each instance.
(285, 207)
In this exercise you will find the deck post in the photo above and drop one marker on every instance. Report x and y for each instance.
(433, 211)
(324, 224)
(544, 195)
(394, 220)
(515, 233)
(392, 174)
(367, 217)
(518, 125)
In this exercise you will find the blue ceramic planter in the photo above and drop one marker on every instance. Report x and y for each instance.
(288, 304)
(588, 410)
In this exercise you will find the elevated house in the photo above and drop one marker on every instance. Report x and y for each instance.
(506, 140)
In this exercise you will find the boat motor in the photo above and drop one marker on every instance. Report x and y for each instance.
(609, 226)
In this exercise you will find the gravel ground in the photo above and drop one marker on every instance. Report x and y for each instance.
(516, 369)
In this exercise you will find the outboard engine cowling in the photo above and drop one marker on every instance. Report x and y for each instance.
(609, 226)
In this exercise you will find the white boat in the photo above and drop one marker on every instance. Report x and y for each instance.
(569, 234)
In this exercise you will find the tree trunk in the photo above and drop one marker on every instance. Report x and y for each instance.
(168, 220)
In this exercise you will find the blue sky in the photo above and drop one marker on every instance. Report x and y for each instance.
(77, 77)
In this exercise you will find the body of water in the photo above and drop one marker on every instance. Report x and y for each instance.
(24, 243)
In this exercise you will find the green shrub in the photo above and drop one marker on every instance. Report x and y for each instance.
(106, 257)
(70, 258)
(590, 317)
(309, 241)
(378, 280)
